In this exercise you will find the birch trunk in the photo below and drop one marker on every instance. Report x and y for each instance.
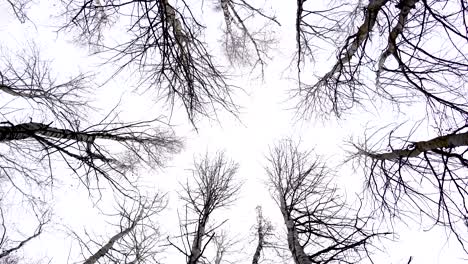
(108, 246)
(447, 141)
(31, 129)
(372, 10)
(297, 251)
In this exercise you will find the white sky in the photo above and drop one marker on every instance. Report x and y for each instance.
(264, 120)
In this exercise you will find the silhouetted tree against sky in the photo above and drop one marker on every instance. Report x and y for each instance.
(398, 51)
(52, 127)
(424, 178)
(28, 77)
(19, 8)
(137, 238)
(165, 41)
(264, 232)
(44, 126)
(321, 227)
(240, 43)
(214, 187)
(402, 52)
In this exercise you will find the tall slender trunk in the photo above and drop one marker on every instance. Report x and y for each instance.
(108, 246)
(196, 250)
(258, 250)
(297, 251)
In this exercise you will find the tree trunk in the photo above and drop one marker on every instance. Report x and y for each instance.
(447, 141)
(372, 10)
(105, 249)
(297, 251)
(196, 250)
(258, 250)
(27, 130)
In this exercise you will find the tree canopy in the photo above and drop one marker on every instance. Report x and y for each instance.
(156, 76)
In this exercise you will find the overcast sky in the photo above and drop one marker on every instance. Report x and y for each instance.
(264, 119)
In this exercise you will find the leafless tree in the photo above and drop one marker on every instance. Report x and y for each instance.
(10, 243)
(137, 238)
(239, 41)
(165, 42)
(425, 178)
(84, 150)
(29, 86)
(391, 42)
(321, 228)
(52, 126)
(214, 187)
(264, 232)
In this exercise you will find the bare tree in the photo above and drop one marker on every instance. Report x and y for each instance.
(214, 187)
(321, 228)
(407, 67)
(52, 126)
(10, 243)
(137, 239)
(29, 86)
(419, 177)
(83, 150)
(165, 42)
(239, 41)
(264, 231)
(44, 127)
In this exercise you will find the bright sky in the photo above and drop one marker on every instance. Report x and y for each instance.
(264, 119)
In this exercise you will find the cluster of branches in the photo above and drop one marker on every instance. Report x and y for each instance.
(321, 228)
(409, 66)
(420, 57)
(19, 8)
(165, 42)
(242, 45)
(214, 187)
(43, 127)
(137, 239)
(30, 87)
(10, 243)
(426, 178)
